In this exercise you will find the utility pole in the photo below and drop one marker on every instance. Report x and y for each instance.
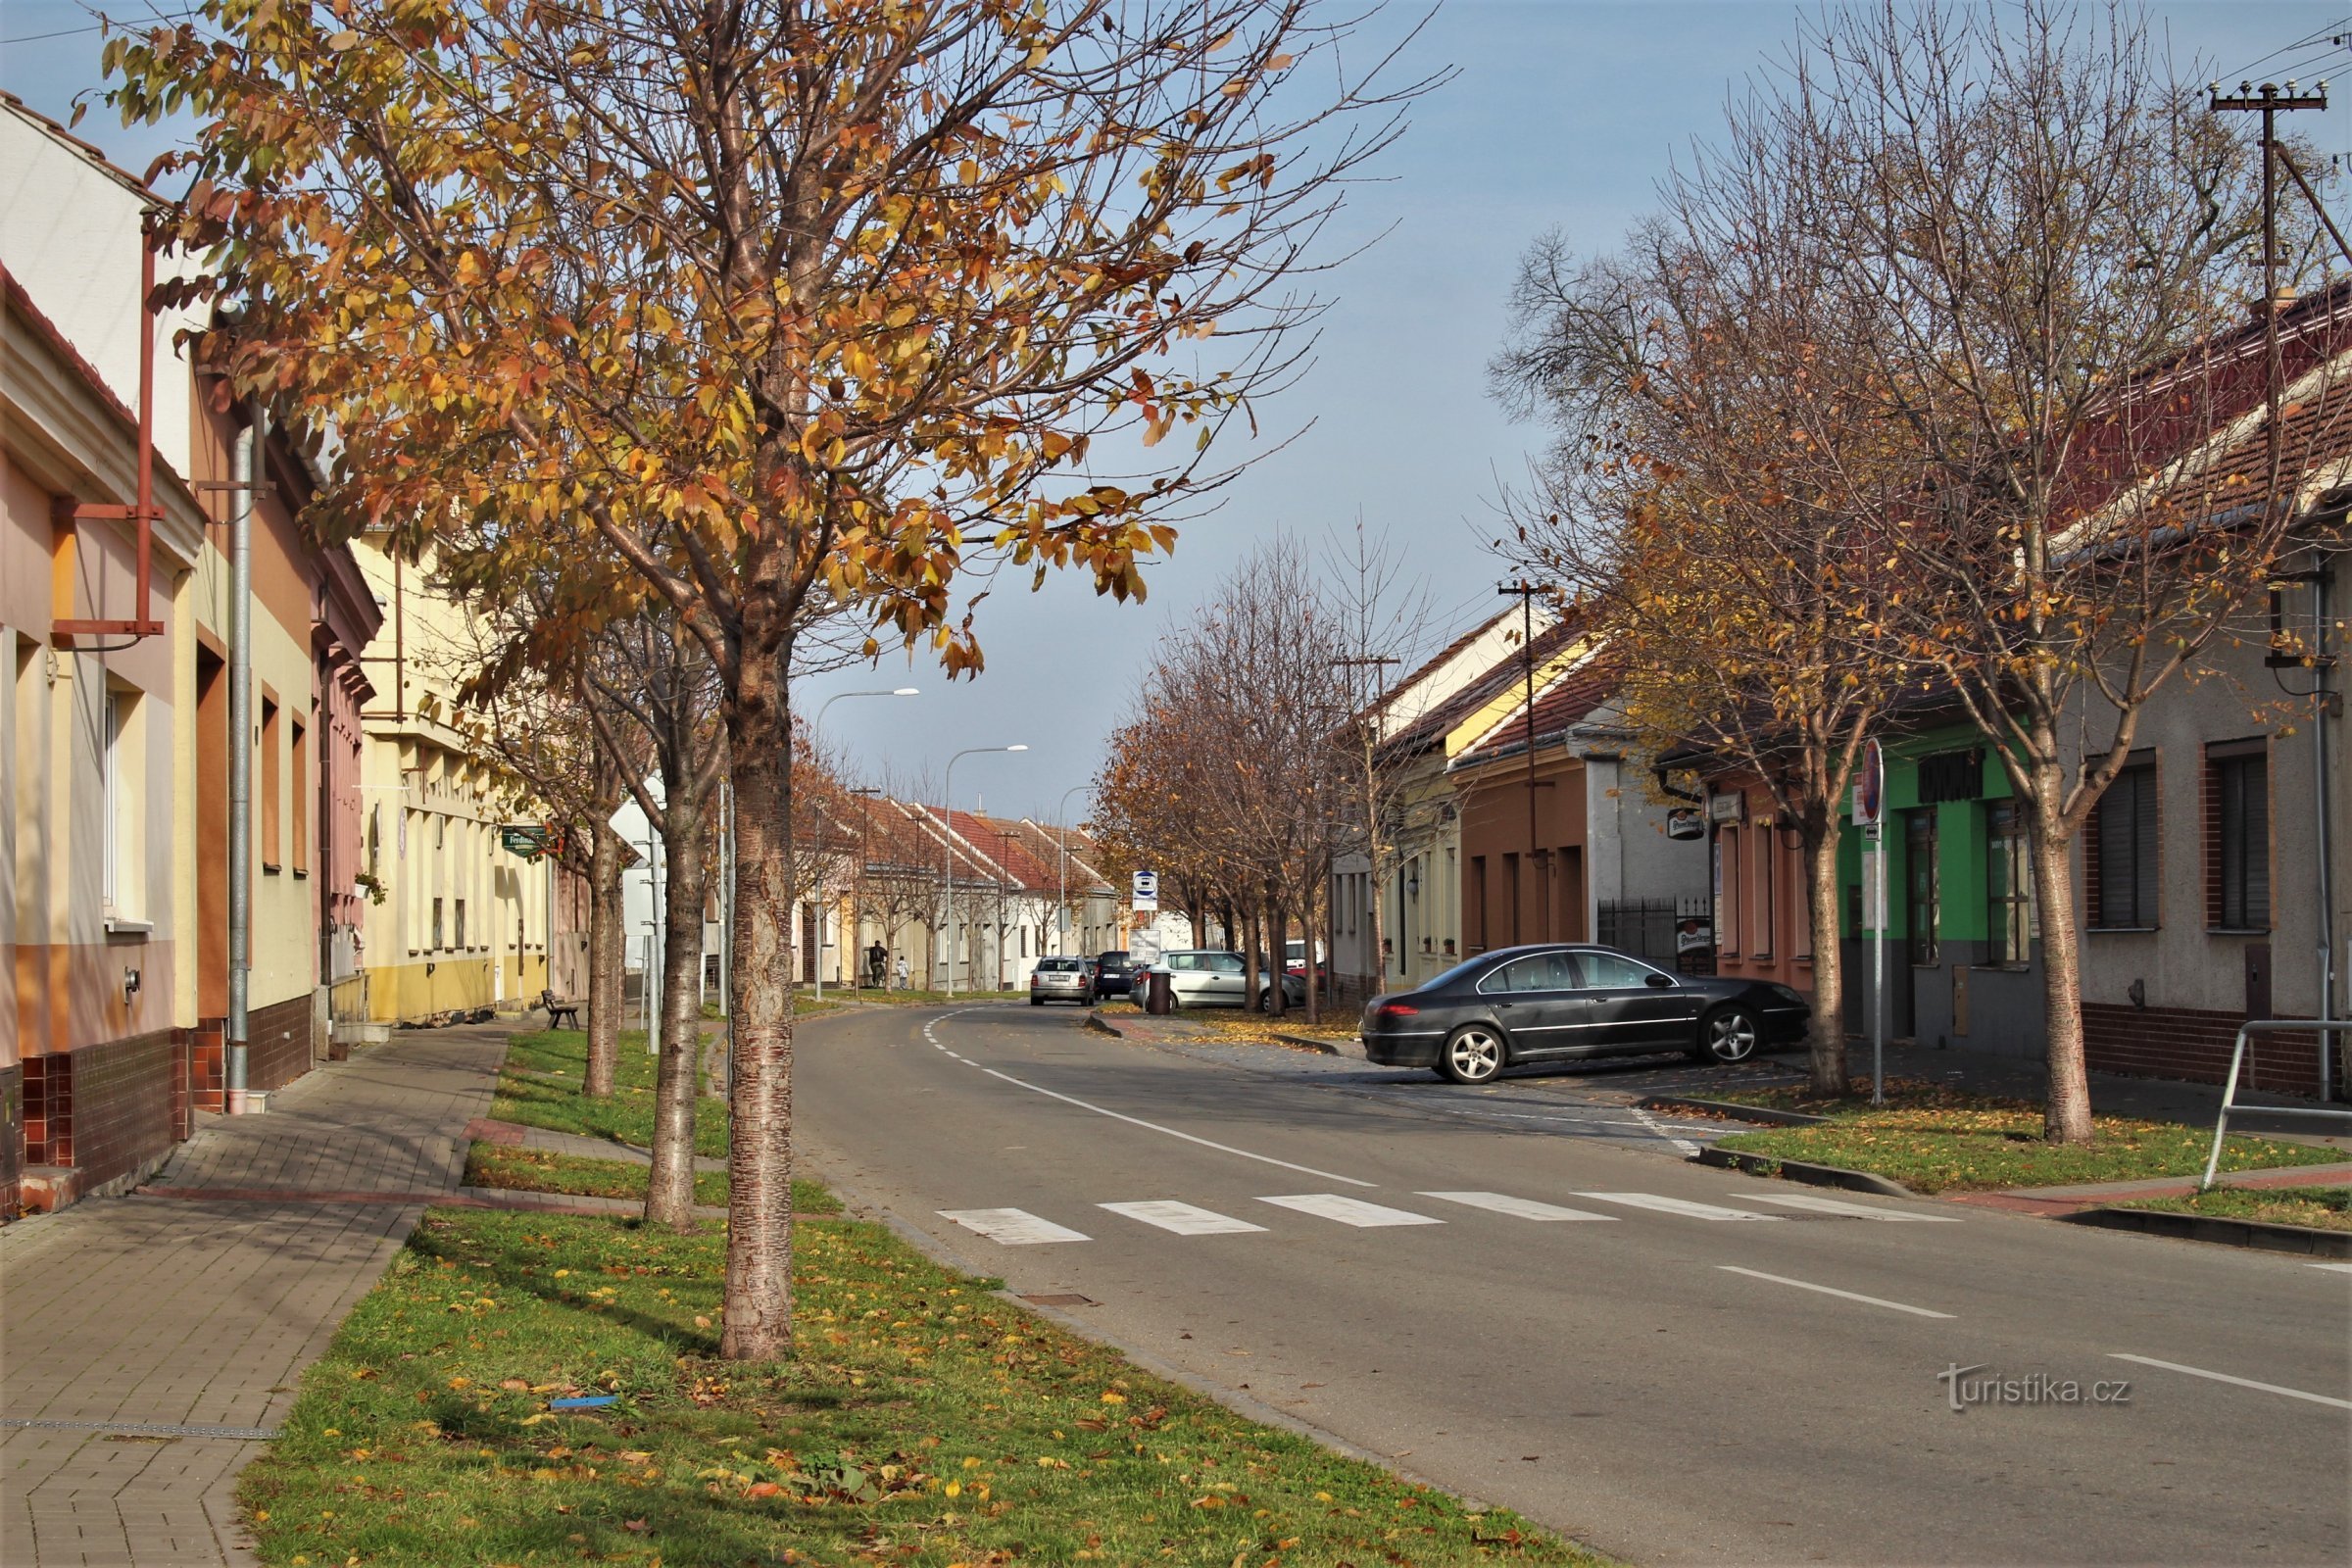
(2270, 102)
(1368, 737)
(1537, 862)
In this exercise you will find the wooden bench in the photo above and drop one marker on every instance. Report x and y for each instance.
(558, 1010)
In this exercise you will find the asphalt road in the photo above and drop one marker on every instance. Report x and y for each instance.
(1745, 1382)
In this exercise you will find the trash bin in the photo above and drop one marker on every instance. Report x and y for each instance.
(1161, 995)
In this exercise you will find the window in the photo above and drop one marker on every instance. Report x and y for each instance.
(2237, 828)
(1767, 910)
(436, 923)
(460, 944)
(1919, 832)
(1478, 905)
(1612, 971)
(271, 855)
(1727, 883)
(2008, 885)
(1510, 891)
(121, 805)
(2121, 851)
(1542, 971)
(300, 768)
(1225, 962)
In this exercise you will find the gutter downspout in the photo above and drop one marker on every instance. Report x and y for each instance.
(247, 460)
(2321, 783)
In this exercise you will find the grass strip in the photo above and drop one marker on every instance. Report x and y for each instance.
(540, 1087)
(540, 1170)
(2321, 1209)
(1998, 1144)
(923, 1420)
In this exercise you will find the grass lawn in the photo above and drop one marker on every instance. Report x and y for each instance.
(1933, 1138)
(2327, 1208)
(923, 1420)
(540, 1087)
(540, 1170)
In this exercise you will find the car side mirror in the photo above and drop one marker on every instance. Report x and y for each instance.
(1660, 982)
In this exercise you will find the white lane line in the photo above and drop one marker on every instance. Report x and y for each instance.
(1838, 1205)
(1137, 1121)
(1520, 1208)
(2339, 1268)
(1847, 1296)
(1349, 1210)
(1685, 1145)
(2243, 1383)
(1677, 1206)
(1012, 1226)
(1182, 1218)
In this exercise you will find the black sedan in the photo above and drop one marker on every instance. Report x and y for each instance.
(1560, 1000)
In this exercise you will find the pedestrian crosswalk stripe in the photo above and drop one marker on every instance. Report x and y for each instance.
(1518, 1208)
(1182, 1218)
(2339, 1268)
(1676, 1206)
(1349, 1210)
(1838, 1205)
(1012, 1226)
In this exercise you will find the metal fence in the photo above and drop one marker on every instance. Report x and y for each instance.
(1672, 933)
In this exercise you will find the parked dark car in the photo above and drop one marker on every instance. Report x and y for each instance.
(1114, 975)
(1561, 1000)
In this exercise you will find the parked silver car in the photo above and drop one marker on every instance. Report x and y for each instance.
(1063, 980)
(1203, 977)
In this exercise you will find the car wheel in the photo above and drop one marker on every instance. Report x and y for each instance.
(1728, 1035)
(1265, 999)
(1471, 1055)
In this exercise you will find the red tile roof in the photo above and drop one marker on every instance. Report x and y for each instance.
(1568, 698)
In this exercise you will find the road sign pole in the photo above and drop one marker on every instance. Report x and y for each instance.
(1877, 970)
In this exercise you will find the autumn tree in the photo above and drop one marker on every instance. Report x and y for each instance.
(2048, 247)
(771, 303)
(1716, 496)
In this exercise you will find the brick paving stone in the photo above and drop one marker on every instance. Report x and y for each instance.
(205, 1310)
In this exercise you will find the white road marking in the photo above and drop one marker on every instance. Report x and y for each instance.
(1849, 1295)
(1349, 1210)
(1676, 1206)
(2243, 1383)
(2339, 1268)
(1838, 1205)
(1647, 1120)
(1012, 1226)
(1137, 1121)
(1182, 1218)
(1521, 1207)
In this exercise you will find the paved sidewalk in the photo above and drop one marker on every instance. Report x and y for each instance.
(156, 1340)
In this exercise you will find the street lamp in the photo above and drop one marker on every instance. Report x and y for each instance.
(947, 859)
(857, 914)
(817, 962)
(1061, 836)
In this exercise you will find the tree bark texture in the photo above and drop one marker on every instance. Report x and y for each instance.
(1825, 1031)
(2066, 1117)
(1278, 960)
(670, 1194)
(759, 1289)
(605, 937)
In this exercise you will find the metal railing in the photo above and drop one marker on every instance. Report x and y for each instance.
(2238, 1058)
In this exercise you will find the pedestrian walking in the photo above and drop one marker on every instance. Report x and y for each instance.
(901, 971)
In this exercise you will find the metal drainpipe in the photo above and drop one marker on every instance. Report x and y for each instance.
(2320, 790)
(247, 462)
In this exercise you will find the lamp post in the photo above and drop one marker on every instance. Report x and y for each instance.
(947, 859)
(816, 962)
(1061, 837)
(857, 915)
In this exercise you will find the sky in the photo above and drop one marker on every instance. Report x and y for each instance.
(1560, 114)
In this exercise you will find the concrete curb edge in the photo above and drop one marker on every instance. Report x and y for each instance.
(1797, 1170)
(1728, 1107)
(2215, 1230)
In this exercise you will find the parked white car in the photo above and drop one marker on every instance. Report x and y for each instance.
(1206, 977)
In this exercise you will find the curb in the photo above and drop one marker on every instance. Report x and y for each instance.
(1329, 1048)
(2262, 1235)
(1101, 1025)
(1797, 1170)
(1726, 1108)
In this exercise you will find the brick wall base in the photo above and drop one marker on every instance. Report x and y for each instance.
(2192, 1044)
(277, 1043)
(104, 1112)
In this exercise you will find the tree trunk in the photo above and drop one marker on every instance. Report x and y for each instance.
(670, 1194)
(1278, 959)
(1253, 927)
(2066, 1119)
(759, 1292)
(603, 962)
(1825, 1031)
